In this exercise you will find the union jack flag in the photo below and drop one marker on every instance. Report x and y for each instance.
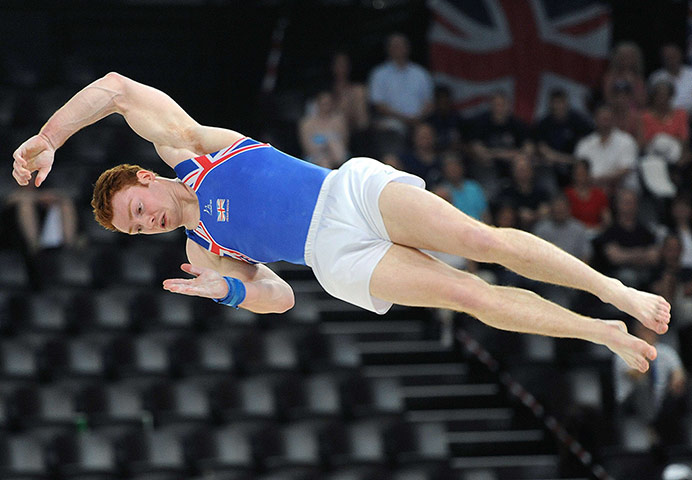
(221, 210)
(206, 163)
(522, 47)
(214, 247)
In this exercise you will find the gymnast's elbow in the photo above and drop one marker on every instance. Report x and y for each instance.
(287, 302)
(279, 299)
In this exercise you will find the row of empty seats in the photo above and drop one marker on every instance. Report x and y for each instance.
(311, 447)
(220, 352)
(198, 400)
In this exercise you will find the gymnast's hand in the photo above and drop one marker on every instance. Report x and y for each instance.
(207, 283)
(36, 154)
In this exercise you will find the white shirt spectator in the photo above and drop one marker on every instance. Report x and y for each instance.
(406, 90)
(618, 152)
(683, 85)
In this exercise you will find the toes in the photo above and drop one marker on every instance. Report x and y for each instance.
(651, 354)
(643, 366)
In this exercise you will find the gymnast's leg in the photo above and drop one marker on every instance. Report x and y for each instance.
(407, 276)
(420, 219)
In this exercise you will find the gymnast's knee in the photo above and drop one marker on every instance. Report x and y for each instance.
(469, 295)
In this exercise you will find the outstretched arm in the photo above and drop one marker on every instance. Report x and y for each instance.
(149, 112)
(265, 291)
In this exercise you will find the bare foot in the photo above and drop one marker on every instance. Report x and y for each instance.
(653, 311)
(634, 351)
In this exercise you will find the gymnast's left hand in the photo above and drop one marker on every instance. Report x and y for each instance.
(207, 283)
(36, 154)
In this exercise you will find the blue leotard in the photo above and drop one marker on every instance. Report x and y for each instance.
(255, 202)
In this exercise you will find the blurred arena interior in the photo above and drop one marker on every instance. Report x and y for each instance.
(104, 375)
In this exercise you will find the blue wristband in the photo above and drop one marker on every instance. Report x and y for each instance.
(236, 293)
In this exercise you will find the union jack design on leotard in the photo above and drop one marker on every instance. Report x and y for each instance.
(217, 249)
(206, 163)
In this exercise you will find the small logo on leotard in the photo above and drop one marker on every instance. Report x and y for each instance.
(208, 208)
(221, 209)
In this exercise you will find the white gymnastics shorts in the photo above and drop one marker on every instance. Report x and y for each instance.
(347, 237)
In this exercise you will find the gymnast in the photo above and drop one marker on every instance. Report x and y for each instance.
(361, 227)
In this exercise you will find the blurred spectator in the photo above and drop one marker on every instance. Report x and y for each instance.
(43, 220)
(561, 229)
(612, 153)
(498, 134)
(627, 249)
(350, 98)
(660, 118)
(401, 91)
(588, 204)
(658, 396)
(671, 279)
(423, 160)
(530, 200)
(626, 64)
(393, 160)
(46, 218)
(676, 72)
(445, 120)
(626, 115)
(558, 132)
(681, 213)
(324, 134)
(465, 194)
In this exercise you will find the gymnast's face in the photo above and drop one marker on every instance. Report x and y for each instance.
(146, 208)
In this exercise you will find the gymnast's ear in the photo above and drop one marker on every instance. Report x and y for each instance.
(145, 177)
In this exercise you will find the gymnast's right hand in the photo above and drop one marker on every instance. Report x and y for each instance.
(207, 282)
(36, 154)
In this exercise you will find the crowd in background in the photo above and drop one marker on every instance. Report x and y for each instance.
(607, 178)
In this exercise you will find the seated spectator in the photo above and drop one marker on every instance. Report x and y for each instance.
(46, 218)
(626, 114)
(678, 73)
(681, 213)
(588, 204)
(400, 90)
(324, 134)
(423, 160)
(626, 64)
(350, 98)
(656, 397)
(627, 249)
(393, 160)
(530, 200)
(561, 229)
(612, 153)
(445, 120)
(558, 132)
(661, 118)
(465, 194)
(671, 279)
(42, 220)
(497, 134)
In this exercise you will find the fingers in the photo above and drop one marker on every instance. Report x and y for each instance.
(41, 176)
(192, 269)
(181, 285)
(19, 171)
